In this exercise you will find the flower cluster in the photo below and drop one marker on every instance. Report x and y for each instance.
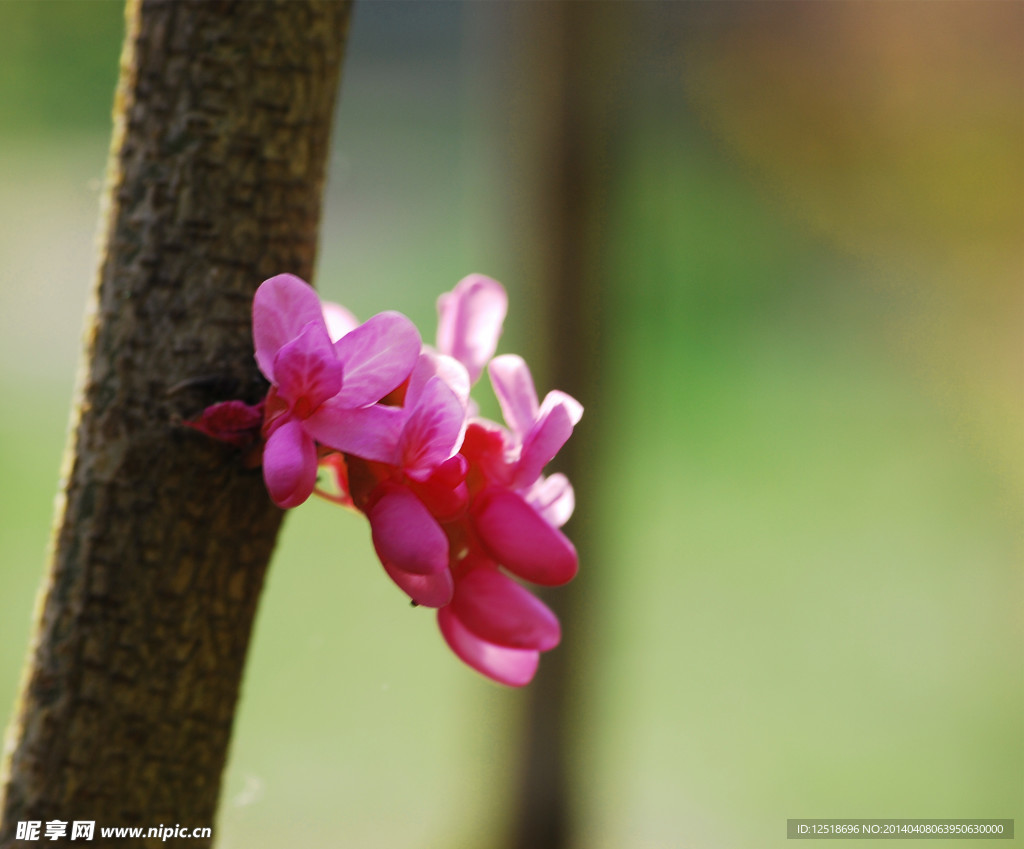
(457, 504)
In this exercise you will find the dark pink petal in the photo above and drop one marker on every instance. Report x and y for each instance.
(553, 498)
(406, 536)
(289, 464)
(377, 356)
(307, 371)
(497, 609)
(521, 541)
(429, 590)
(281, 307)
(433, 431)
(338, 319)
(514, 667)
(486, 446)
(469, 321)
(513, 385)
(541, 444)
(234, 422)
(450, 473)
(368, 432)
(444, 492)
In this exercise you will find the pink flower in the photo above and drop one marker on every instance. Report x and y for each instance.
(446, 553)
(458, 506)
(324, 391)
(516, 511)
(493, 623)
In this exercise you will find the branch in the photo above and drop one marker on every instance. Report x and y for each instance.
(222, 124)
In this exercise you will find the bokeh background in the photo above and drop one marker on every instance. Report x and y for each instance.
(801, 501)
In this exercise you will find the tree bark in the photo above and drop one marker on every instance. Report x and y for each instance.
(161, 540)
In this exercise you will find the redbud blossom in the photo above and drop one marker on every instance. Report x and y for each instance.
(458, 506)
(323, 391)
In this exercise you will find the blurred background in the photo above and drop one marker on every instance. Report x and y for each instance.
(777, 250)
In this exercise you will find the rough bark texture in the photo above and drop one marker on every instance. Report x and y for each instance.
(162, 538)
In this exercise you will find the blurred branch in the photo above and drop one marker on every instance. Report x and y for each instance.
(571, 56)
(222, 123)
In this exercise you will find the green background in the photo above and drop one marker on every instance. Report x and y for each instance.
(805, 593)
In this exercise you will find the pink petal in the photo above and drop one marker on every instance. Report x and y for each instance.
(486, 446)
(377, 356)
(555, 398)
(428, 590)
(444, 492)
(306, 370)
(513, 385)
(281, 307)
(372, 433)
(497, 609)
(469, 321)
(521, 541)
(406, 536)
(553, 498)
(289, 464)
(432, 364)
(234, 422)
(433, 431)
(338, 319)
(514, 667)
(542, 442)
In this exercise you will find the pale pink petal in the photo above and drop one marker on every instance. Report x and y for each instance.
(281, 307)
(469, 321)
(306, 370)
(368, 432)
(513, 385)
(428, 590)
(541, 443)
(338, 319)
(377, 356)
(497, 609)
(432, 364)
(406, 536)
(289, 464)
(433, 431)
(521, 541)
(556, 398)
(514, 667)
(553, 498)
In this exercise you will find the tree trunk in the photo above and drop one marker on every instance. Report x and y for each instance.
(222, 124)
